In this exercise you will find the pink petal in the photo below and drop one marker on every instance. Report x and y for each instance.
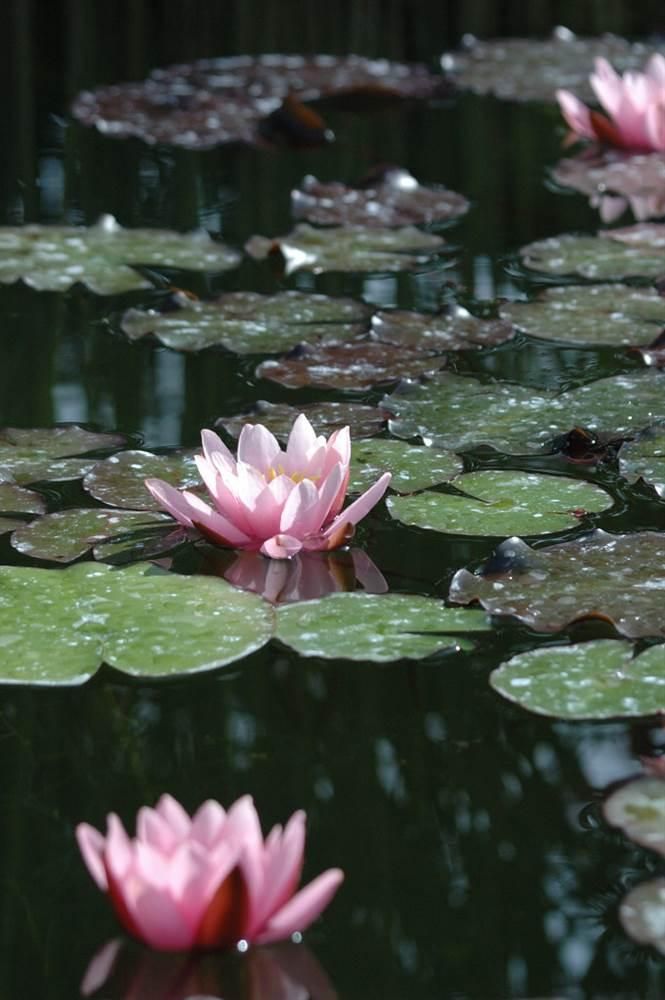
(576, 114)
(303, 908)
(281, 546)
(100, 967)
(171, 499)
(655, 125)
(282, 872)
(367, 574)
(159, 921)
(118, 856)
(173, 813)
(655, 69)
(328, 494)
(243, 830)
(302, 442)
(264, 518)
(214, 524)
(208, 823)
(152, 828)
(214, 450)
(91, 844)
(258, 447)
(608, 86)
(360, 507)
(299, 512)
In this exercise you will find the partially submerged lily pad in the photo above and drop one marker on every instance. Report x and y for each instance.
(617, 578)
(120, 480)
(642, 914)
(139, 619)
(614, 181)
(500, 502)
(53, 258)
(454, 330)
(644, 458)
(638, 807)
(364, 421)
(617, 315)
(377, 627)
(394, 198)
(358, 364)
(633, 252)
(249, 323)
(587, 680)
(347, 248)
(29, 455)
(17, 500)
(412, 467)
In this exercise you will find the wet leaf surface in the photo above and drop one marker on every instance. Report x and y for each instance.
(375, 627)
(8, 524)
(29, 455)
(412, 467)
(213, 101)
(249, 323)
(587, 680)
(347, 248)
(616, 315)
(633, 252)
(69, 534)
(619, 578)
(500, 502)
(454, 330)
(642, 914)
(356, 365)
(644, 458)
(16, 500)
(140, 619)
(527, 69)
(119, 480)
(615, 181)
(395, 199)
(638, 807)
(364, 421)
(53, 258)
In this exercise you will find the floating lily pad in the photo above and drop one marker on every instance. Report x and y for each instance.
(616, 315)
(347, 248)
(249, 323)
(141, 620)
(588, 680)
(644, 458)
(69, 534)
(454, 330)
(498, 502)
(213, 101)
(642, 914)
(120, 480)
(364, 421)
(30, 455)
(356, 365)
(634, 252)
(413, 468)
(375, 627)
(614, 181)
(618, 578)
(8, 524)
(17, 500)
(393, 199)
(459, 412)
(638, 807)
(528, 69)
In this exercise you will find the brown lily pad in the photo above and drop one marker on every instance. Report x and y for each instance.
(15, 499)
(395, 198)
(213, 101)
(454, 330)
(364, 421)
(617, 578)
(357, 365)
(119, 481)
(28, 455)
(614, 181)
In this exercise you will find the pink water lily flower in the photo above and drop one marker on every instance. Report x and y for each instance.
(278, 502)
(207, 881)
(635, 106)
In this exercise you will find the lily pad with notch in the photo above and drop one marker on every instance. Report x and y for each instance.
(454, 329)
(30, 455)
(644, 458)
(642, 914)
(412, 467)
(119, 481)
(364, 421)
(612, 255)
(615, 181)
(638, 807)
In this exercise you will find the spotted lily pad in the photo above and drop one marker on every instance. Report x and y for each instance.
(498, 502)
(638, 807)
(377, 627)
(587, 680)
(642, 914)
(213, 101)
(249, 323)
(355, 365)
(141, 620)
(30, 455)
(616, 315)
(53, 258)
(644, 458)
(17, 500)
(615, 181)
(633, 252)
(364, 421)
(393, 199)
(453, 330)
(348, 248)
(8, 524)
(528, 69)
(120, 480)
(413, 468)
(618, 578)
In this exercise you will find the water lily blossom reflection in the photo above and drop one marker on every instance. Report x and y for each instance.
(207, 881)
(279, 502)
(635, 106)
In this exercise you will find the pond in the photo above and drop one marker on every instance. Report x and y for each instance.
(468, 818)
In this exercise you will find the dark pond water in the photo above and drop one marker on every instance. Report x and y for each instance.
(476, 862)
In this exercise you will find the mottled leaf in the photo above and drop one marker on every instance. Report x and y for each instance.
(638, 807)
(364, 421)
(642, 914)
(66, 535)
(453, 330)
(16, 500)
(644, 458)
(29, 455)
(634, 252)
(615, 181)
(413, 468)
(120, 480)
(8, 524)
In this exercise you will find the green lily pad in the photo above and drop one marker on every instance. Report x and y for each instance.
(17, 500)
(453, 330)
(588, 680)
(53, 258)
(498, 502)
(8, 524)
(249, 323)
(614, 181)
(377, 627)
(618, 578)
(30, 455)
(633, 252)
(459, 412)
(644, 458)
(617, 315)
(364, 421)
(120, 480)
(412, 467)
(642, 914)
(638, 807)
(142, 620)
(69, 534)
(348, 248)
